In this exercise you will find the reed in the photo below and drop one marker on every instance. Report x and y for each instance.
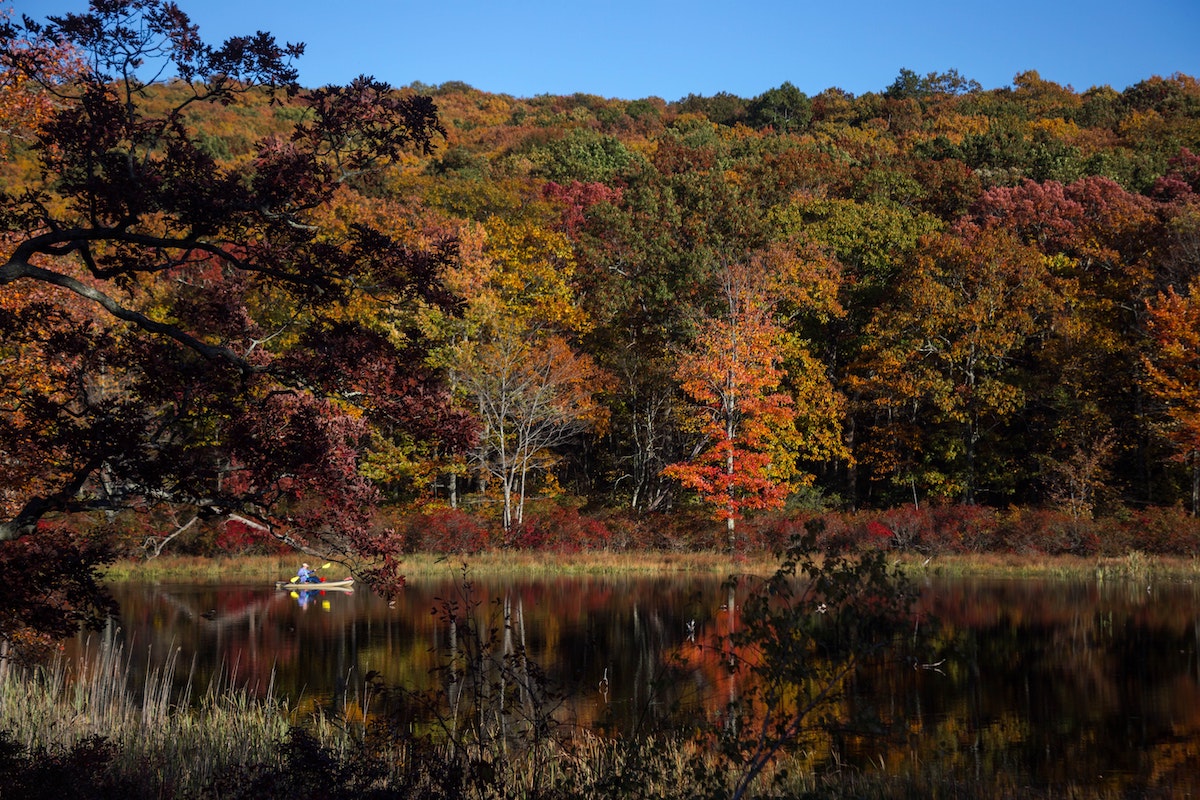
(159, 735)
(201, 569)
(1132, 566)
(268, 569)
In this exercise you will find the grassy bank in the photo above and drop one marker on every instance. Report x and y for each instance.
(267, 569)
(426, 565)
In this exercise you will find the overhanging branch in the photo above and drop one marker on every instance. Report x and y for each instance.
(17, 269)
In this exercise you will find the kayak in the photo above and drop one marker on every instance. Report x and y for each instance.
(341, 586)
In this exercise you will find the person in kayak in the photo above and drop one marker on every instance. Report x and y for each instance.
(307, 575)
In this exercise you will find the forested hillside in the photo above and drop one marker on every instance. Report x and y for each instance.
(932, 294)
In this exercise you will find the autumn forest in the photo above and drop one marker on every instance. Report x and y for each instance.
(317, 315)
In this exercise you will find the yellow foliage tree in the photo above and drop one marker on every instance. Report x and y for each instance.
(510, 353)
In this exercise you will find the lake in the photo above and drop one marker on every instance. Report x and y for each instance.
(1052, 683)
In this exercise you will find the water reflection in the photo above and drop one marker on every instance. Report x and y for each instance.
(1051, 683)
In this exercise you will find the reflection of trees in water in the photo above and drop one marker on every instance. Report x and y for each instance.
(1052, 681)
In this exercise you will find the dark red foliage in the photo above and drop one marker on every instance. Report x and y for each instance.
(1033, 531)
(1183, 179)
(1089, 218)
(237, 538)
(449, 530)
(1164, 531)
(394, 388)
(559, 530)
(54, 588)
(577, 197)
(195, 312)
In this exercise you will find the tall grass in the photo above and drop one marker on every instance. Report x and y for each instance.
(1135, 565)
(162, 735)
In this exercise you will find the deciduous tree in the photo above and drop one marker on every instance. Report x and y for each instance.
(944, 357)
(181, 300)
(746, 420)
(510, 354)
(1173, 373)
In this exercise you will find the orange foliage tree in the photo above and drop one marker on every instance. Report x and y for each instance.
(1173, 372)
(26, 98)
(745, 417)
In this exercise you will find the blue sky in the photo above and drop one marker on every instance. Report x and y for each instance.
(631, 50)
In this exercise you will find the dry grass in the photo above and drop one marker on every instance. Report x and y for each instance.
(268, 569)
(1135, 565)
(55, 706)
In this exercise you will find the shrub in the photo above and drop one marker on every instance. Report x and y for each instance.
(908, 525)
(447, 530)
(1165, 530)
(674, 531)
(1037, 531)
(81, 772)
(559, 530)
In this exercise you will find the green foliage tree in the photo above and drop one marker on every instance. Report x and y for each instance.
(785, 109)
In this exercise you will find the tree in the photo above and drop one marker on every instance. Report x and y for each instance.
(942, 365)
(509, 352)
(909, 84)
(745, 419)
(784, 108)
(1173, 373)
(24, 105)
(1107, 248)
(183, 301)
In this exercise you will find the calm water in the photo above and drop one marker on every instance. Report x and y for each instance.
(1049, 682)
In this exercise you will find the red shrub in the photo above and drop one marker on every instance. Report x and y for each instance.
(908, 524)
(448, 530)
(238, 538)
(770, 534)
(1162, 530)
(559, 530)
(961, 529)
(1037, 530)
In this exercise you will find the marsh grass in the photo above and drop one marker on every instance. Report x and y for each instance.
(236, 745)
(268, 569)
(252, 569)
(158, 735)
(1135, 565)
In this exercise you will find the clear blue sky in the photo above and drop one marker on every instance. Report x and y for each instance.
(632, 49)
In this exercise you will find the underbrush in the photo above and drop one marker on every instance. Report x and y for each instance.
(968, 529)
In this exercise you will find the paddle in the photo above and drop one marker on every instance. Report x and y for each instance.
(326, 565)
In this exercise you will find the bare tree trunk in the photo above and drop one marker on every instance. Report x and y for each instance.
(157, 544)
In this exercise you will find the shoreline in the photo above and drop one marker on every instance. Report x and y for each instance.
(1134, 565)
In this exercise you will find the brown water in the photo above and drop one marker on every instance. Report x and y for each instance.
(1051, 683)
